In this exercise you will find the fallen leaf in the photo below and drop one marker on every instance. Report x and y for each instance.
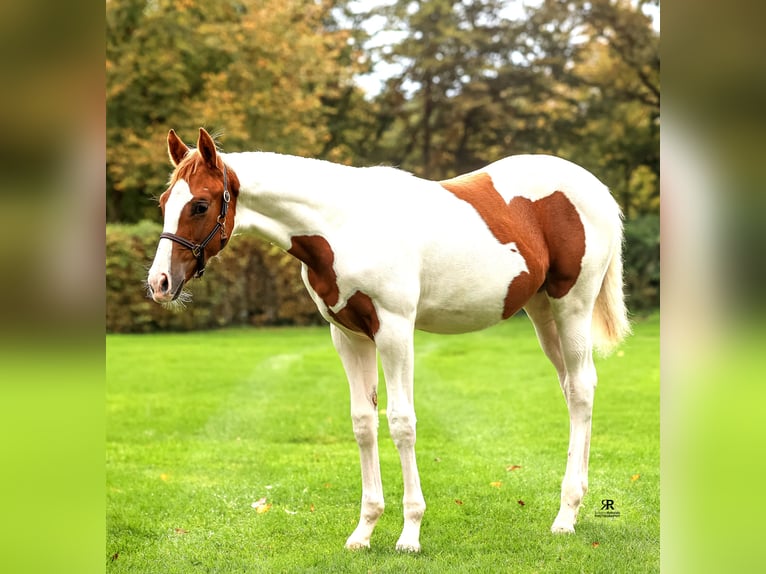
(437, 459)
(164, 477)
(327, 484)
(458, 502)
(595, 545)
(312, 508)
(115, 556)
(261, 506)
(512, 467)
(496, 484)
(181, 531)
(521, 502)
(635, 477)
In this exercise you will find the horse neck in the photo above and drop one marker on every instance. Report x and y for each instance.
(281, 195)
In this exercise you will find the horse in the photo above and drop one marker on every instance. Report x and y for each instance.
(384, 253)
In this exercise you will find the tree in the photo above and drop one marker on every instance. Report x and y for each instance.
(266, 73)
(572, 77)
(451, 52)
(609, 75)
(624, 67)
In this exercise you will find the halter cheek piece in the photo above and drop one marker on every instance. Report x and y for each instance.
(198, 249)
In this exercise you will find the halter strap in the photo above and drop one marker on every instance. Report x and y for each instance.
(198, 249)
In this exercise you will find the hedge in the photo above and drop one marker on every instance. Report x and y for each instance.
(254, 283)
(641, 258)
(249, 283)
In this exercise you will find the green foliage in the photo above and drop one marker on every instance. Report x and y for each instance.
(201, 425)
(267, 73)
(249, 283)
(642, 262)
(577, 79)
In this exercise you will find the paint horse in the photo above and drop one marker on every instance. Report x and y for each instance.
(384, 253)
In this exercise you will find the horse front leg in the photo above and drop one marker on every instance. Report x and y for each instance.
(396, 346)
(359, 359)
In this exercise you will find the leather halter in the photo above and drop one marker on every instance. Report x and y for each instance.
(198, 249)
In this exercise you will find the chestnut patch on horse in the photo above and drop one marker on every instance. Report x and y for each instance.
(359, 312)
(359, 315)
(316, 253)
(565, 237)
(548, 233)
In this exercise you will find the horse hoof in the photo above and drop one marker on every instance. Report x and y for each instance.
(562, 528)
(408, 547)
(356, 544)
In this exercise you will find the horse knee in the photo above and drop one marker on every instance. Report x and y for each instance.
(402, 429)
(365, 428)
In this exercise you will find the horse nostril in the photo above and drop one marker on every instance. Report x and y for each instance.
(164, 283)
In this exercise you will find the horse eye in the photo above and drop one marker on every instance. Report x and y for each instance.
(199, 208)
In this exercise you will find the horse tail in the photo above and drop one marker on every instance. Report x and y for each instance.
(610, 316)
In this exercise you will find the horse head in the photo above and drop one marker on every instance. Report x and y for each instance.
(198, 212)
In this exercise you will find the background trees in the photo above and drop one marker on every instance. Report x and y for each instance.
(262, 73)
(573, 78)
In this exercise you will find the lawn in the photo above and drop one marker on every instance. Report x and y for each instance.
(200, 426)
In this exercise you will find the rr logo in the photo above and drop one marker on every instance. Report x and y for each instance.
(607, 504)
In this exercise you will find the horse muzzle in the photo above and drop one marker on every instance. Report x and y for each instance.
(161, 288)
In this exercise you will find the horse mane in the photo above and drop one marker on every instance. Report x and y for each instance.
(186, 167)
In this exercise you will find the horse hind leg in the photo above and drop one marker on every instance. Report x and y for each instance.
(573, 316)
(538, 309)
(359, 359)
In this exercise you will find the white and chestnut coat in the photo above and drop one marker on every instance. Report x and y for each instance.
(384, 253)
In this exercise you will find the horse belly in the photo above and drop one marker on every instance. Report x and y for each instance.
(464, 290)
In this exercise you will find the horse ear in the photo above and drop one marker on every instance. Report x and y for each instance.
(206, 147)
(177, 149)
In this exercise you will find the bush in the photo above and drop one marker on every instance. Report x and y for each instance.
(642, 262)
(249, 283)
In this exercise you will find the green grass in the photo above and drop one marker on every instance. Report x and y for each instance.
(201, 425)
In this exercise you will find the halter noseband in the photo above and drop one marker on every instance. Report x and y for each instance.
(198, 249)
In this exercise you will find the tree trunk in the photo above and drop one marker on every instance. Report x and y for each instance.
(427, 111)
